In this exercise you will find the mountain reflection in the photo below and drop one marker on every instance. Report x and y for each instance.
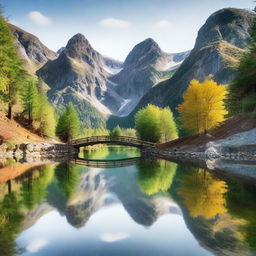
(219, 211)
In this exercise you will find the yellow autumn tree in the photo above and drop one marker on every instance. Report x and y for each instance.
(203, 106)
(203, 195)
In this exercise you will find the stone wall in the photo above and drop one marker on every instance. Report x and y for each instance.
(37, 150)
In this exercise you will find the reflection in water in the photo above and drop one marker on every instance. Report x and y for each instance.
(67, 176)
(111, 153)
(34, 186)
(203, 195)
(55, 208)
(156, 176)
(11, 217)
(242, 205)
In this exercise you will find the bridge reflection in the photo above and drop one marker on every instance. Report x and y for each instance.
(107, 163)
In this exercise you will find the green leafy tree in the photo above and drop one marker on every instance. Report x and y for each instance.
(155, 124)
(242, 91)
(68, 126)
(147, 123)
(116, 132)
(167, 125)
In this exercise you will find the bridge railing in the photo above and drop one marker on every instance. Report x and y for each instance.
(103, 139)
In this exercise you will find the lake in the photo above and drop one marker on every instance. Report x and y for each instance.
(147, 208)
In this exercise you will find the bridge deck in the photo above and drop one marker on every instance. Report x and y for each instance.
(118, 140)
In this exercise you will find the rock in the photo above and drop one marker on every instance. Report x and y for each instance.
(31, 49)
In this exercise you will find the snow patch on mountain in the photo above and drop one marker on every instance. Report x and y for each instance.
(112, 70)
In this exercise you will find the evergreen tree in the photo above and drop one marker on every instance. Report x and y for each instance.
(30, 97)
(68, 126)
(242, 91)
(11, 71)
(46, 117)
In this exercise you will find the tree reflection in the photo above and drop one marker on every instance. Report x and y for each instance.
(34, 186)
(202, 194)
(157, 176)
(241, 203)
(67, 176)
(10, 219)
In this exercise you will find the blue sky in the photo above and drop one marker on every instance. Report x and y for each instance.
(113, 27)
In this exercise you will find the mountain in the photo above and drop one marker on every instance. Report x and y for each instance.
(78, 75)
(144, 66)
(219, 45)
(100, 86)
(34, 53)
(112, 66)
(97, 85)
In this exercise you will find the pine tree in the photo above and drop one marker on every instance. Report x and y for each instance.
(46, 116)
(11, 71)
(68, 126)
(30, 97)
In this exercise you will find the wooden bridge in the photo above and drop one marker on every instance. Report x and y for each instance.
(117, 140)
(106, 163)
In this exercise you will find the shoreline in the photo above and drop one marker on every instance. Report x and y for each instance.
(39, 151)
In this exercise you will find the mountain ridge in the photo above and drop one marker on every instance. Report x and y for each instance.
(216, 53)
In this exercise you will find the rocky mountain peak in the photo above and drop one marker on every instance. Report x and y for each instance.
(31, 49)
(79, 47)
(229, 24)
(145, 52)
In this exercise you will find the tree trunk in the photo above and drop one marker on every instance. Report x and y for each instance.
(9, 115)
(9, 182)
(29, 114)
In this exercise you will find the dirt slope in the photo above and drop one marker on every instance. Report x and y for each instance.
(9, 129)
(234, 125)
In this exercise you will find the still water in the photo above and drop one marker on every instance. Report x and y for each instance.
(151, 208)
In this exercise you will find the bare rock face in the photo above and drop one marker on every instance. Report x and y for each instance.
(99, 86)
(77, 75)
(31, 49)
(145, 66)
(218, 48)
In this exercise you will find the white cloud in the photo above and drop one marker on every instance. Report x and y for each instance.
(114, 237)
(39, 18)
(36, 245)
(163, 24)
(115, 23)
